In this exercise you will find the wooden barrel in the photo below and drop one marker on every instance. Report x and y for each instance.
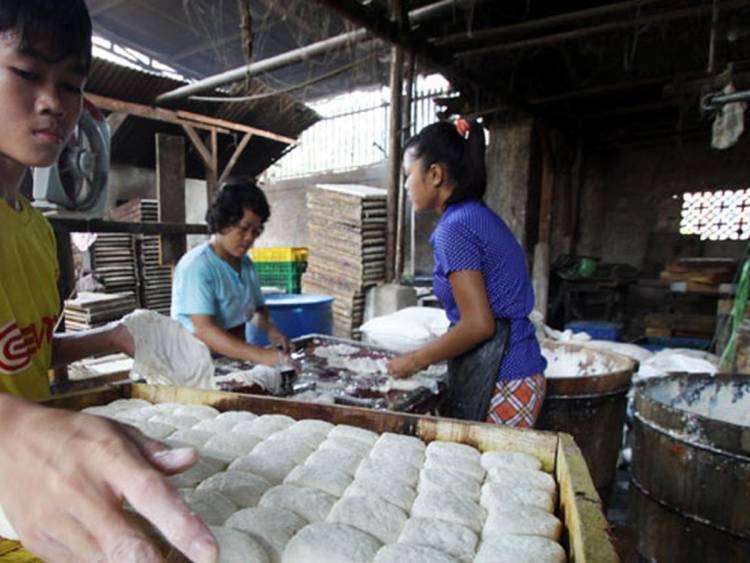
(587, 398)
(691, 468)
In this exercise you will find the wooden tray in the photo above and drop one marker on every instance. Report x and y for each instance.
(585, 537)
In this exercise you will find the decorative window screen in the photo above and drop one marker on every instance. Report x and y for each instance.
(720, 215)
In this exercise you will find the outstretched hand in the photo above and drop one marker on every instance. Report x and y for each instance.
(279, 340)
(403, 366)
(63, 479)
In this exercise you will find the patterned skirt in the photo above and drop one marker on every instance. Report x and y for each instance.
(517, 402)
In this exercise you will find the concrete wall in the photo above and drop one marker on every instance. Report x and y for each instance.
(288, 199)
(630, 204)
(510, 173)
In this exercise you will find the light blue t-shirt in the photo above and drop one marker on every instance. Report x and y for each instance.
(204, 284)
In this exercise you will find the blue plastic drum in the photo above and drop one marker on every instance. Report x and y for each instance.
(296, 315)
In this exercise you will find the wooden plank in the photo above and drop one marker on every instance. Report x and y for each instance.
(199, 145)
(212, 171)
(179, 117)
(544, 445)
(170, 187)
(115, 120)
(587, 528)
(235, 157)
(146, 112)
(76, 225)
(236, 127)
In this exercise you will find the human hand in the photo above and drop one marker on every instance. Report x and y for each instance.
(63, 479)
(279, 340)
(272, 357)
(403, 366)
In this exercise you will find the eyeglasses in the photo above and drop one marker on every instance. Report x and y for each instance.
(255, 230)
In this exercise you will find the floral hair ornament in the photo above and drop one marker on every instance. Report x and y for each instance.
(462, 126)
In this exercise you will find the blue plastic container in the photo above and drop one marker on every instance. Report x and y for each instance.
(296, 315)
(599, 330)
(656, 343)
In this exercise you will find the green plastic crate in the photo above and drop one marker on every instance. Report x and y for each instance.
(284, 275)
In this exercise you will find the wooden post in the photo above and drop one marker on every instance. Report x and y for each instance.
(212, 172)
(170, 187)
(394, 152)
(541, 250)
(235, 157)
(406, 128)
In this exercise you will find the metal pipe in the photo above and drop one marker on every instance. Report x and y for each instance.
(713, 102)
(289, 57)
(598, 30)
(541, 23)
(271, 63)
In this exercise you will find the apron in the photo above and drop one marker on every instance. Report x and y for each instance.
(473, 375)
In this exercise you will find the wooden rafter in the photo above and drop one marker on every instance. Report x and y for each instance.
(473, 85)
(180, 117)
(235, 157)
(199, 145)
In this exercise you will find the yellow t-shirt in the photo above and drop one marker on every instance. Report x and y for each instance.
(29, 303)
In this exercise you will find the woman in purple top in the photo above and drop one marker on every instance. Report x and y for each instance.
(480, 277)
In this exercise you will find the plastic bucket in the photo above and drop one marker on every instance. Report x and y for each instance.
(295, 315)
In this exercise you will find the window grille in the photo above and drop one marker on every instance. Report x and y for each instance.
(354, 131)
(716, 215)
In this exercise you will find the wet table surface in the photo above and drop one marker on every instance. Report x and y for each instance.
(347, 372)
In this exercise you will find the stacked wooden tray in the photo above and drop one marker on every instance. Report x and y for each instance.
(136, 211)
(113, 261)
(155, 280)
(347, 227)
(90, 310)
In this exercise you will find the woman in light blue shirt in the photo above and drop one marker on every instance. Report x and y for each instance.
(216, 290)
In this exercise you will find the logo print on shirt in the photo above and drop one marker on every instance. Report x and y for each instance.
(18, 345)
(14, 353)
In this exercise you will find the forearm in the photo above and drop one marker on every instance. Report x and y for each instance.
(460, 339)
(227, 344)
(74, 346)
(262, 319)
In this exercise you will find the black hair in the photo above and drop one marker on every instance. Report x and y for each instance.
(463, 158)
(66, 24)
(230, 202)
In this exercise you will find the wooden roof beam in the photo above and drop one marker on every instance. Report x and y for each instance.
(180, 117)
(381, 26)
(555, 38)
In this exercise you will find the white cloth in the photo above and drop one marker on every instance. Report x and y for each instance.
(167, 354)
(405, 330)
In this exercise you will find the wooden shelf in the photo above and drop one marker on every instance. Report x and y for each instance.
(75, 225)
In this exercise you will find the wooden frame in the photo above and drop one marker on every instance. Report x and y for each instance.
(191, 122)
(586, 533)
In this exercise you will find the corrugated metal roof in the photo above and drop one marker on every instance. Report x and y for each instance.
(134, 142)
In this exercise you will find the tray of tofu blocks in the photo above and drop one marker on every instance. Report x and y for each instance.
(286, 481)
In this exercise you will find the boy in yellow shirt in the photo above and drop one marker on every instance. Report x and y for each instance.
(63, 475)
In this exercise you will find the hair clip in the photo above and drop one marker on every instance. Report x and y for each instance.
(462, 126)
